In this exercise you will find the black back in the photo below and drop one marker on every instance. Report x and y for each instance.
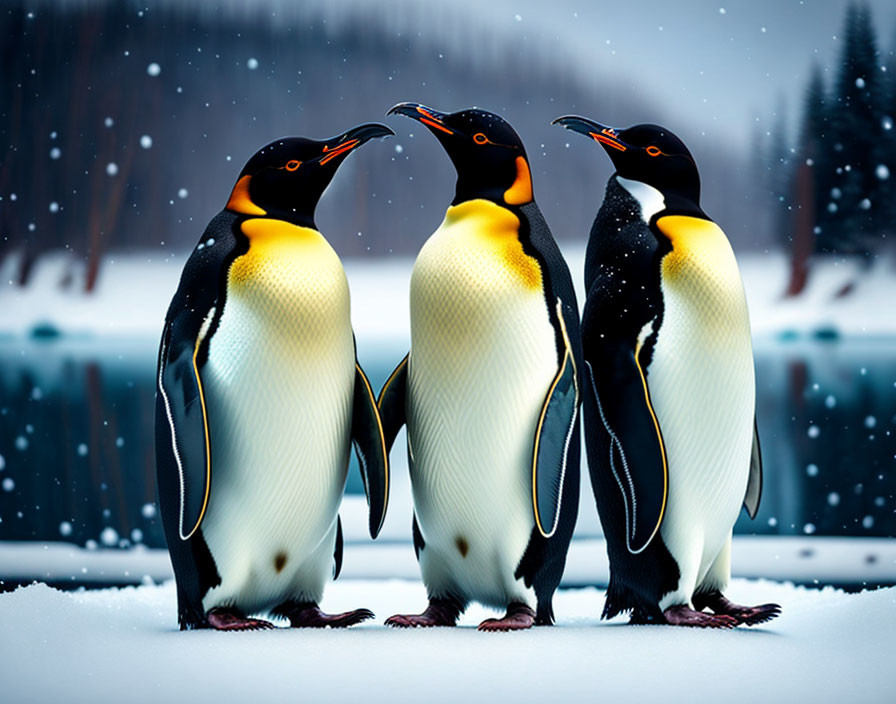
(544, 559)
(202, 286)
(622, 276)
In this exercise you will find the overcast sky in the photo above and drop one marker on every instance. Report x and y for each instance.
(720, 63)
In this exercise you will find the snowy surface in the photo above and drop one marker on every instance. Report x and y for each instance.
(134, 290)
(122, 645)
(803, 559)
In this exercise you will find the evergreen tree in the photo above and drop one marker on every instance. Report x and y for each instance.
(885, 171)
(815, 148)
(854, 204)
(780, 177)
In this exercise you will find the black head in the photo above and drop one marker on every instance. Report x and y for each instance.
(647, 153)
(286, 178)
(487, 153)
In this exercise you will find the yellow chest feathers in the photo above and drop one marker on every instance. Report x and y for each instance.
(701, 256)
(288, 269)
(701, 271)
(477, 248)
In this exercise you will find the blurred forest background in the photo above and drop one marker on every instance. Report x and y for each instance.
(123, 127)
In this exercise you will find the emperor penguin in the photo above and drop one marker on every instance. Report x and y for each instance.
(260, 396)
(490, 388)
(670, 394)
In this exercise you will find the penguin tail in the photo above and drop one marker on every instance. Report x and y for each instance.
(620, 599)
(544, 614)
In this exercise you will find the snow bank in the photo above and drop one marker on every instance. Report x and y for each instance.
(802, 559)
(121, 645)
(133, 292)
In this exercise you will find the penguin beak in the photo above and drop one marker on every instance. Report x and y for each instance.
(433, 119)
(607, 136)
(354, 138)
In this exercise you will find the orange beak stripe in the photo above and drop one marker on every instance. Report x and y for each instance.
(341, 149)
(437, 125)
(603, 139)
(431, 120)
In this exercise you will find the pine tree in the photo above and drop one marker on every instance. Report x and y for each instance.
(885, 171)
(815, 148)
(855, 203)
(780, 176)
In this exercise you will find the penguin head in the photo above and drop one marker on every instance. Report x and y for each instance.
(647, 153)
(487, 153)
(285, 179)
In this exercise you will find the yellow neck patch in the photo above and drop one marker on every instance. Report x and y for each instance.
(521, 190)
(240, 202)
(262, 231)
(274, 241)
(497, 229)
(694, 240)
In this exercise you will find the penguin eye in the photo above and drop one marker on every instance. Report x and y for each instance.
(480, 138)
(292, 165)
(653, 151)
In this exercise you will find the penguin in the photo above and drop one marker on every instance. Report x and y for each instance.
(260, 396)
(490, 388)
(670, 394)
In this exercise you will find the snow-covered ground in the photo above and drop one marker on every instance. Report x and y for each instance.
(134, 290)
(122, 645)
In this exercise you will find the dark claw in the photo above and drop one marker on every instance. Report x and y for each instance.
(761, 614)
(440, 612)
(518, 618)
(308, 615)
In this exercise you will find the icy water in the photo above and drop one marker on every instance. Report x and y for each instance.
(76, 438)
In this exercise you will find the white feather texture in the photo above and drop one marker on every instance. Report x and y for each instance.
(702, 387)
(279, 383)
(482, 359)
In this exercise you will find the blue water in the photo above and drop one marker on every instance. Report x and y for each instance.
(76, 438)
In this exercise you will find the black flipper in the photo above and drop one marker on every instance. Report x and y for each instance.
(181, 388)
(637, 453)
(337, 552)
(552, 441)
(391, 402)
(754, 485)
(370, 447)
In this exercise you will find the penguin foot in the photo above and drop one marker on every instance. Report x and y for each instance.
(747, 615)
(440, 612)
(518, 618)
(308, 615)
(684, 615)
(230, 619)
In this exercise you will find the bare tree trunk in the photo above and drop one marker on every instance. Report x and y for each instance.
(803, 231)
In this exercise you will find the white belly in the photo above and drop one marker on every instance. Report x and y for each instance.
(482, 358)
(278, 384)
(702, 387)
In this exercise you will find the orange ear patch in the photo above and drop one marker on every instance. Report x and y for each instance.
(521, 190)
(240, 202)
